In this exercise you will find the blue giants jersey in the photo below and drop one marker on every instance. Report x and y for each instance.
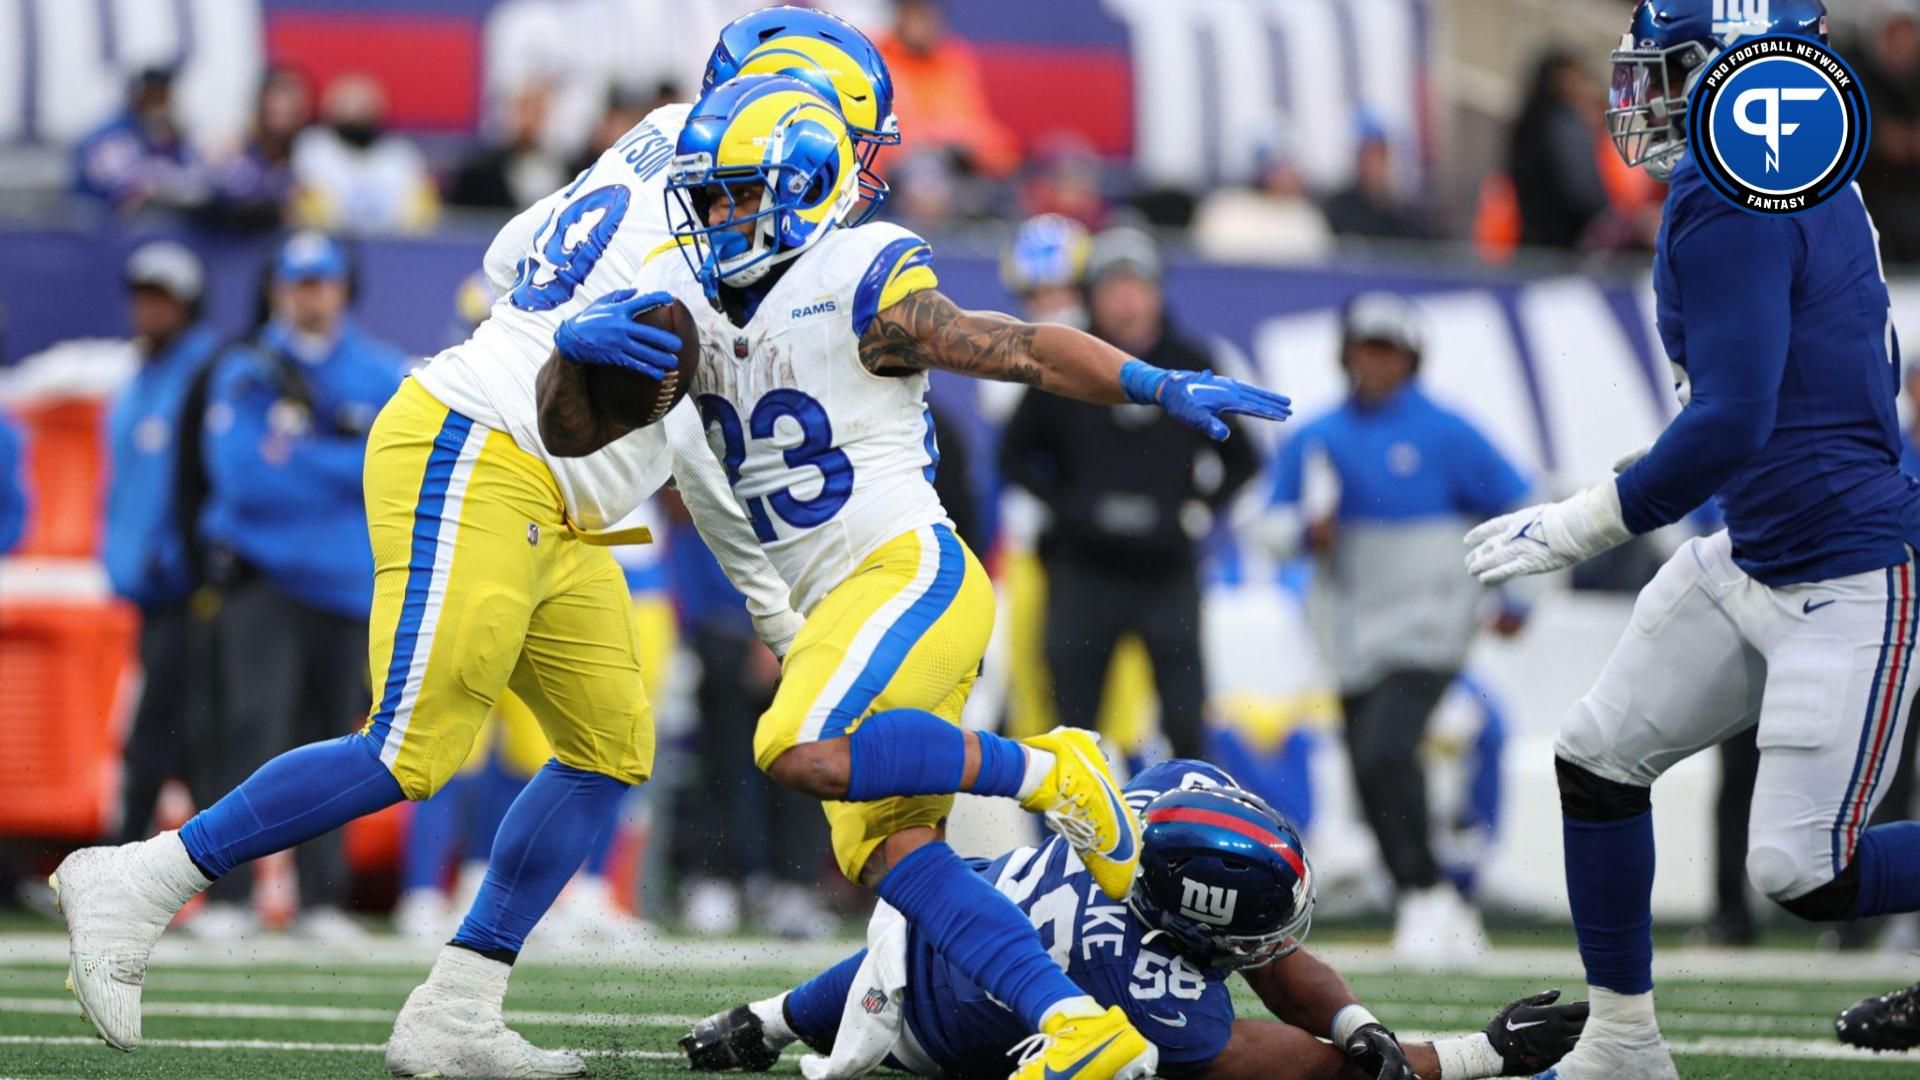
(1185, 1010)
(1824, 496)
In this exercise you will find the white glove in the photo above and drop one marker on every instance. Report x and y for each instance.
(1547, 537)
(779, 629)
(1626, 461)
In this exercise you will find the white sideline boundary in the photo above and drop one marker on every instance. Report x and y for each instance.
(292, 1047)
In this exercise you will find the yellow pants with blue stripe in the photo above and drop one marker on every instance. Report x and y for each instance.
(906, 630)
(480, 586)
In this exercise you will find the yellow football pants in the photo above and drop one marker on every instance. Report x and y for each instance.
(906, 630)
(479, 585)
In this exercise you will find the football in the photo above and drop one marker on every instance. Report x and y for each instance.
(635, 400)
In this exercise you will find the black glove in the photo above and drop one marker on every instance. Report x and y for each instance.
(1533, 1033)
(1375, 1050)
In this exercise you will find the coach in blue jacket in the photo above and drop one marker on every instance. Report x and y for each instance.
(1378, 489)
(286, 432)
(146, 547)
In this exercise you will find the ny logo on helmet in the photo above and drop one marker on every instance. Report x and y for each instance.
(1211, 904)
(1737, 18)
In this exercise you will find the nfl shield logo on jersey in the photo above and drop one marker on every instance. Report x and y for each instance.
(875, 1001)
(740, 347)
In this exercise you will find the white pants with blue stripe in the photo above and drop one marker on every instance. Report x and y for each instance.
(1822, 668)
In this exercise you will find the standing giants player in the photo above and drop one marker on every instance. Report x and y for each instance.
(1800, 616)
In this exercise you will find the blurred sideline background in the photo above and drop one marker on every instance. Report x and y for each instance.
(1284, 155)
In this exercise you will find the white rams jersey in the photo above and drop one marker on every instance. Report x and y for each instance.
(552, 260)
(828, 460)
(548, 263)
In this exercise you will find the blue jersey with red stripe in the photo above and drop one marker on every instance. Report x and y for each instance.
(1186, 1010)
(1782, 327)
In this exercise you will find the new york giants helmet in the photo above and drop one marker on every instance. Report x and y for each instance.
(1666, 47)
(777, 155)
(1224, 876)
(833, 57)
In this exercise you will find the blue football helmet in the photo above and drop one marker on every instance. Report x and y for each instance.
(833, 57)
(1224, 876)
(1174, 774)
(776, 155)
(1048, 250)
(1666, 47)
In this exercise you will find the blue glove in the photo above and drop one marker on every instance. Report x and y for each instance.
(605, 334)
(1199, 399)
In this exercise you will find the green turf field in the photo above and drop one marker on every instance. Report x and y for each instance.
(287, 1013)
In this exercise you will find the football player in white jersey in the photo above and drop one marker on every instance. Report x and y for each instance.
(816, 340)
(491, 572)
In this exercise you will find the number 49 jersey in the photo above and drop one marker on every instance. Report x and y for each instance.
(827, 459)
(548, 263)
(1181, 1008)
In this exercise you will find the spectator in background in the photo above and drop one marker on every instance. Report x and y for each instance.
(1372, 207)
(518, 170)
(1066, 181)
(148, 551)
(1127, 500)
(286, 434)
(352, 175)
(1551, 155)
(765, 847)
(1889, 67)
(1380, 490)
(625, 108)
(1274, 220)
(13, 483)
(938, 94)
(254, 186)
(140, 159)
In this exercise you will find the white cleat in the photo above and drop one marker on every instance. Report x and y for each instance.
(1608, 1059)
(1621, 1042)
(116, 906)
(439, 1034)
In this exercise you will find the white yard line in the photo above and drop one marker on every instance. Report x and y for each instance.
(237, 1010)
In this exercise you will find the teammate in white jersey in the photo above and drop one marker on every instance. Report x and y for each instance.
(490, 573)
(816, 340)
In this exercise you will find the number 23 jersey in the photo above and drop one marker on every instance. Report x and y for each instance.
(827, 459)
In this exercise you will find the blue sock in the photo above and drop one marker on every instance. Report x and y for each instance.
(432, 834)
(1003, 766)
(905, 752)
(494, 790)
(978, 930)
(542, 841)
(813, 1009)
(1889, 860)
(297, 796)
(914, 752)
(1610, 886)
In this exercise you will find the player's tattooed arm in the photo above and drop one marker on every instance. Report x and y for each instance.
(570, 424)
(927, 330)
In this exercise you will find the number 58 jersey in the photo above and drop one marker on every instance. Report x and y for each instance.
(550, 261)
(828, 460)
